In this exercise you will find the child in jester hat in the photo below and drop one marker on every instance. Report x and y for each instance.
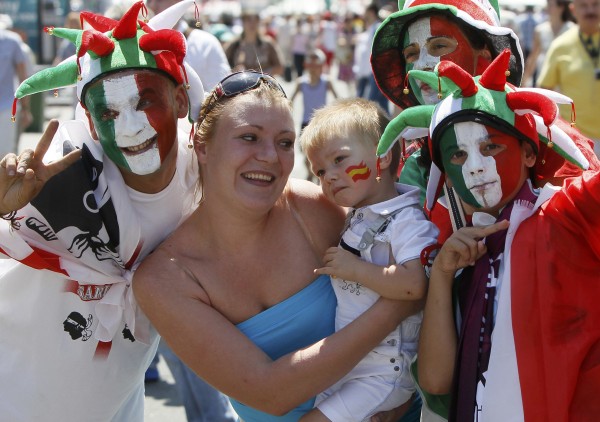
(527, 264)
(378, 254)
(74, 346)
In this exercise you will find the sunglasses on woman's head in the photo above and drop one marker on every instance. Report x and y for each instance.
(238, 83)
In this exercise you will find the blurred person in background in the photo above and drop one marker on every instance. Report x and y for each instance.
(572, 67)
(313, 86)
(559, 19)
(344, 53)
(299, 46)
(253, 50)
(525, 23)
(204, 51)
(366, 87)
(284, 26)
(328, 35)
(13, 70)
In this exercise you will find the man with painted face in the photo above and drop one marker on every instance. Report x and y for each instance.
(83, 209)
(523, 275)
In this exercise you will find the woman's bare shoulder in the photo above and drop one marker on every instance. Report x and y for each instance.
(323, 218)
(309, 199)
(167, 269)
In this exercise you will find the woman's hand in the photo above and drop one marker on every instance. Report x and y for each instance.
(22, 177)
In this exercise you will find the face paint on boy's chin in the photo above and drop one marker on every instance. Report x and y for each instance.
(454, 174)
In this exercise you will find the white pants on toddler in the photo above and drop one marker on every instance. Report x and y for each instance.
(376, 384)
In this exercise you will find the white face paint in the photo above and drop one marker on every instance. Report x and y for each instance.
(479, 172)
(133, 131)
(419, 32)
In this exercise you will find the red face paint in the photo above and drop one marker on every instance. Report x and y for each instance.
(509, 164)
(463, 55)
(156, 91)
(359, 172)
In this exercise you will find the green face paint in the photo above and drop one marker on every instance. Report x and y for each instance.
(103, 119)
(135, 116)
(448, 149)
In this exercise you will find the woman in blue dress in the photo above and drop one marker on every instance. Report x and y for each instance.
(233, 290)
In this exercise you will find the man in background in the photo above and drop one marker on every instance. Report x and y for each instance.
(13, 68)
(572, 67)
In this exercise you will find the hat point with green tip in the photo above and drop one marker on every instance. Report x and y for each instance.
(104, 46)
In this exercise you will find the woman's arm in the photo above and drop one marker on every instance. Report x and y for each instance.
(219, 353)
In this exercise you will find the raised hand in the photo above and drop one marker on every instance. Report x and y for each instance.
(465, 247)
(22, 177)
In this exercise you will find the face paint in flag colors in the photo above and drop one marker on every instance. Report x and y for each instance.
(133, 118)
(343, 165)
(359, 172)
(484, 165)
(430, 40)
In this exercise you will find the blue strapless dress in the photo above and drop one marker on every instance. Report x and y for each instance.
(299, 321)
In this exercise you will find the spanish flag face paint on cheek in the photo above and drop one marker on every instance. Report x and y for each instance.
(359, 172)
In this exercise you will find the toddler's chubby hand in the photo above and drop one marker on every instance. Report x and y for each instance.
(338, 262)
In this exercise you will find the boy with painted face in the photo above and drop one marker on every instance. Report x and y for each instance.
(378, 254)
(86, 213)
(527, 267)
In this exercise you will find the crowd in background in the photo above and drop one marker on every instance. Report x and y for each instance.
(285, 41)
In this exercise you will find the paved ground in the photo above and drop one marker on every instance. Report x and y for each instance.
(162, 402)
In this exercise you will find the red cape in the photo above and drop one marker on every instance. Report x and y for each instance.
(556, 315)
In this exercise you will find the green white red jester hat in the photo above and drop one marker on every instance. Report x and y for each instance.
(106, 45)
(481, 16)
(528, 114)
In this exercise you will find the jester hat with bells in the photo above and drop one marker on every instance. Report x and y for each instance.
(105, 46)
(479, 16)
(527, 114)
